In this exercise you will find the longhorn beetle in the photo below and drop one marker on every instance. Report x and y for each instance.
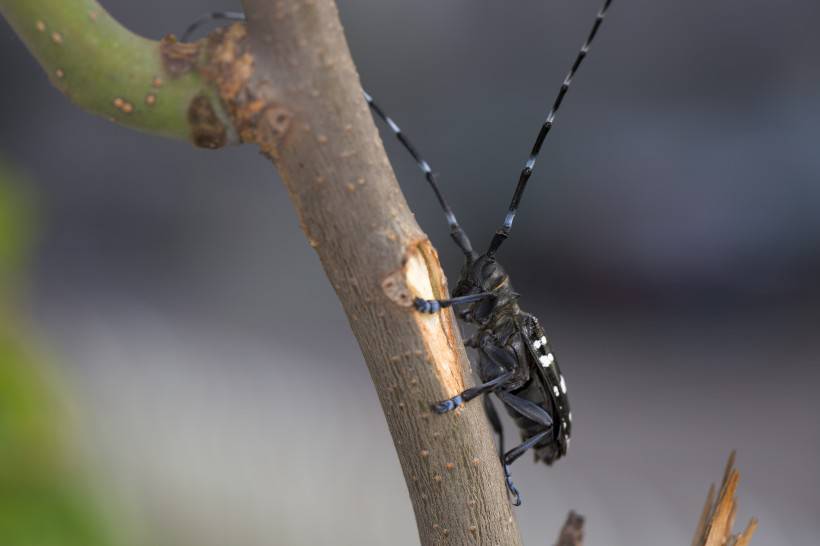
(515, 359)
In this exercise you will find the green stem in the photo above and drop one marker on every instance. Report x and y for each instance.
(107, 70)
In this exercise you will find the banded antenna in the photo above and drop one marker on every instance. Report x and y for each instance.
(212, 16)
(456, 232)
(504, 232)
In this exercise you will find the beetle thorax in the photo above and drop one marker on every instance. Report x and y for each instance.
(485, 274)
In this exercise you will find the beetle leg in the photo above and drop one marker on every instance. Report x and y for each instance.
(528, 409)
(469, 394)
(434, 306)
(511, 456)
(511, 486)
(535, 413)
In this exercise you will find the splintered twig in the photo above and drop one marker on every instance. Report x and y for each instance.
(718, 517)
(572, 533)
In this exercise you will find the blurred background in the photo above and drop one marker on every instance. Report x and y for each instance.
(669, 241)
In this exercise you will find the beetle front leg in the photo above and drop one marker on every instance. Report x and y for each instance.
(452, 403)
(434, 306)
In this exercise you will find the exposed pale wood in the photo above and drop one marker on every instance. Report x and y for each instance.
(718, 517)
(704, 516)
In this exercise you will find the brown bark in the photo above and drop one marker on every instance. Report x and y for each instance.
(291, 87)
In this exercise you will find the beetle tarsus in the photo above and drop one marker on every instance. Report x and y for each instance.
(426, 306)
(448, 405)
(511, 486)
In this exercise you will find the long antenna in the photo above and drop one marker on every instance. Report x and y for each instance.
(456, 232)
(504, 232)
(212, 16)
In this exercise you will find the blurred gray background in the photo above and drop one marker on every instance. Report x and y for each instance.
(669, 241)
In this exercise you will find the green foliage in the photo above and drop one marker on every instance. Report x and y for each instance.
(15, 228)
(44, 498)
(43, 501)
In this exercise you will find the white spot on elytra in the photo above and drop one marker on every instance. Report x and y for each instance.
(569, 416)
(543, 340)
(547, 360)
(555, 390)
(563, 385)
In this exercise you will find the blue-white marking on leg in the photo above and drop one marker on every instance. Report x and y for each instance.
(530, 163)
(509, 220)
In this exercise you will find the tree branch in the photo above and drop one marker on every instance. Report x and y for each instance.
(572, 533)
(718, 517)
(289, 85)
(152, 86)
